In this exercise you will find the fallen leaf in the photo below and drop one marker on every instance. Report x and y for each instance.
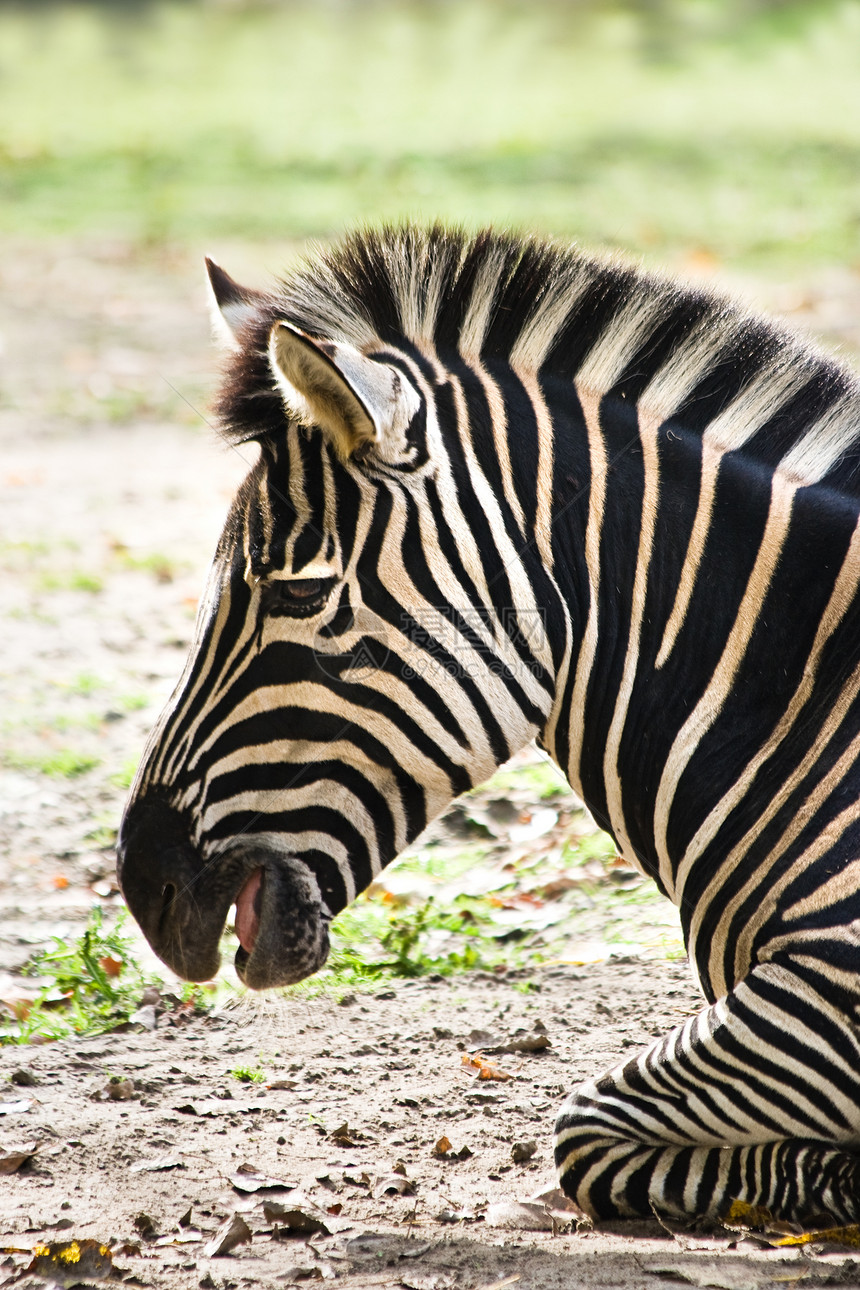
(561, 1207)
(283, 1084)
(12, 1159)
(298, 1222)
(726, 1273)
(394, 1183)
(118, 1089)
(67, 1263)
(302, 1272)
(455, 1216)
(534, 1043)
(482, 1039)
(219, 1106)
(232, 1232)
(443, 1146)
(476, 1065)
(111, 966)
(742, 1215)
(154, 1166)
(145, 1016)
(523, 1151)
(520, 1216)
(246, 1178)
(145, 1225)
(343, 1137)
(24, 1078)
(849, 1236)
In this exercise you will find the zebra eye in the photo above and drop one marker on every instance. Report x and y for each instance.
(297, 595)
(302, 589)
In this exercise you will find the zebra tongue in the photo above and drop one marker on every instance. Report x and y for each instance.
(248, 905)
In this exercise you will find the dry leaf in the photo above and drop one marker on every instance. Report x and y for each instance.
(743, 1215)
(523, 1151)
(725, 1272)
(67, 1263)
(342, 1136)
(520, 1216)
(154, 1166)
(443, 1146)
(534, 1043)
(395, 1183)
(561, 1207)
(246, 1178)
(298, 1222)
(477, 1065)
(118, 1090)
(232, 1232)
(12, 1159)
(111, 966)
(849, 1236)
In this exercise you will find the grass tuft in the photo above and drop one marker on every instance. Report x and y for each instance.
(91, 986)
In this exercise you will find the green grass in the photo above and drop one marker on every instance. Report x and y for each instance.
(123, 777)
(476, 903)
(247, 1075)
(91, 986)
(65, 763)
(705, 131)
(74, 580)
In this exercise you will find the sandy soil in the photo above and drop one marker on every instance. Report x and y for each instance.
(113, 492)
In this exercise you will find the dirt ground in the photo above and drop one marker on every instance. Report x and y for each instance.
(113, 492)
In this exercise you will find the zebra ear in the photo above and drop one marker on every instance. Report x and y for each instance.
(355, 400)
(230, 305)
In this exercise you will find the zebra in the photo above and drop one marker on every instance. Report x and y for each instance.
(507, 491)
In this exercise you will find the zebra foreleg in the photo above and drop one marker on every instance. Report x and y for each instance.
(756, 1099)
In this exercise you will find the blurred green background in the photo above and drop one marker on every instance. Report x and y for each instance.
(723, 129)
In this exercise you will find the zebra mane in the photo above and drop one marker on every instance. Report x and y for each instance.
(739, 380)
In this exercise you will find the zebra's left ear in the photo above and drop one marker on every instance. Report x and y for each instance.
(355, 400)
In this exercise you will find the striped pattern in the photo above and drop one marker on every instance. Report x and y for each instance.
(624, 521)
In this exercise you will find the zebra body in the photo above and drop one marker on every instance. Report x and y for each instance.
(505, 492)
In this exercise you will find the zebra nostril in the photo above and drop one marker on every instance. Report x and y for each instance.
(168, 895)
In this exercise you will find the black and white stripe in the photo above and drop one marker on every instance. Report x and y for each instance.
(507, 492)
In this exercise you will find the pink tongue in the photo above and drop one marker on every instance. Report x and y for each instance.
(247, 918)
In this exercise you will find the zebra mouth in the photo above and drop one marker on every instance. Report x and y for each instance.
(249, 904)
(281, 920)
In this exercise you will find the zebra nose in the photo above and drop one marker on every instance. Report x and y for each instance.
(153, 853)
(158, 869)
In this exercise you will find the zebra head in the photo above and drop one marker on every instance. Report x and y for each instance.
(360, 656)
